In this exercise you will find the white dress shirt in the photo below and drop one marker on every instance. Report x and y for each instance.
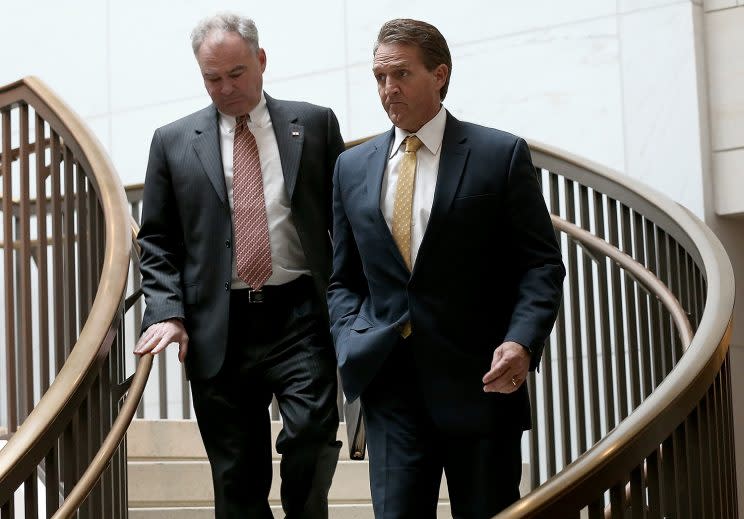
(427, 169)
(287, 257)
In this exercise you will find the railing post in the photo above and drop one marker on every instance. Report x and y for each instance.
(18, 350)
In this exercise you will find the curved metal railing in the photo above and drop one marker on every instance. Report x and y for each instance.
(100, 461)
(135, 388)
(648, 432)
(632, 412)
(640, 347)
(66, 244)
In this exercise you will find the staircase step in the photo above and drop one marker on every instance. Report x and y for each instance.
(180, 440)
(165, 439)
(189, 483)
(335, 511)
(169, 476)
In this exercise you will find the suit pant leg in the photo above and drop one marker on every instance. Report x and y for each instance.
(275, 347)
(301, 372)
(483, 473)
(405, 464)
(233, 419)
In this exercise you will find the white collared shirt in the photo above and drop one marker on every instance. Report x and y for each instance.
(427, 169)
(287, 257)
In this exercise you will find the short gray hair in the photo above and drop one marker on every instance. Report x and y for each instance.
(225, 22)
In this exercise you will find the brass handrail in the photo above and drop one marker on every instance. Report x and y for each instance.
(134, 230)
(118, 430)
(35, 435)
(664, 409)
(640, 273)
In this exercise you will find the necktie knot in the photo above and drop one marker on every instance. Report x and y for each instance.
(240, 121)
(413, 143)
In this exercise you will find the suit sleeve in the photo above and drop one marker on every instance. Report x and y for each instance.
(537, 257)
(161, 242)
(348, 287)
(335, 146)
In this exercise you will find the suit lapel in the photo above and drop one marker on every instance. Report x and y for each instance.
(375, 170)
(207, 148)
(290, 136)
(451, 167)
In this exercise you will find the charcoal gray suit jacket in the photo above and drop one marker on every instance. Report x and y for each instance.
(186, 231)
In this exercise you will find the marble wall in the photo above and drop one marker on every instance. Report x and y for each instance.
(611, 80)
(724, 29)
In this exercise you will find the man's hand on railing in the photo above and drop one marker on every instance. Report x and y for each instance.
(158, 336)
(509, 368)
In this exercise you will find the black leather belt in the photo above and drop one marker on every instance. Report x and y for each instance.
(276, 293)
(255, 296)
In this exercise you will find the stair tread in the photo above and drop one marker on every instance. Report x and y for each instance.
(170, 478)
(180, 440)
(335, 511)
(189, 483)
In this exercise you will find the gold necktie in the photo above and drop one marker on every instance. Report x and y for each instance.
(403, 208)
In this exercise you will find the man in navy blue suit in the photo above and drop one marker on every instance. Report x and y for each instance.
(447, 277)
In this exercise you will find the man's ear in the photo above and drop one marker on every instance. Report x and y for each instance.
(441, 73)
(261, 53)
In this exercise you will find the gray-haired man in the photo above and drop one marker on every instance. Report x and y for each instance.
(235, 263)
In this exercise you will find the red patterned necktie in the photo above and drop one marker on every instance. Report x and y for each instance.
(252, 245)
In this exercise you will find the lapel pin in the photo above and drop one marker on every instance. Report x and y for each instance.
(295, 133)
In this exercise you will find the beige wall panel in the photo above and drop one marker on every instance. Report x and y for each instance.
(728, 176)
(725, 58)
(713, 5)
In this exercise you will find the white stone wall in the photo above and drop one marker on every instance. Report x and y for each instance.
(612, 80)
(724, 30)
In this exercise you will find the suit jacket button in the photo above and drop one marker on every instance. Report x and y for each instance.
(227, 286)
(227, 243)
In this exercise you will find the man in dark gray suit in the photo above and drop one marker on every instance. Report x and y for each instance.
(235, 262)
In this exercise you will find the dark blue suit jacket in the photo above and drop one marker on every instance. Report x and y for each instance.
(489, 269)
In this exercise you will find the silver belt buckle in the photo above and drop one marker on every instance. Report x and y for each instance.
(255, 296)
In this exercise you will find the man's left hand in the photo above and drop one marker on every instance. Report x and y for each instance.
(509, 367)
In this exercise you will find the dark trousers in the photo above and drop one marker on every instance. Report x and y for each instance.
(407, 453)
(279, 347)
